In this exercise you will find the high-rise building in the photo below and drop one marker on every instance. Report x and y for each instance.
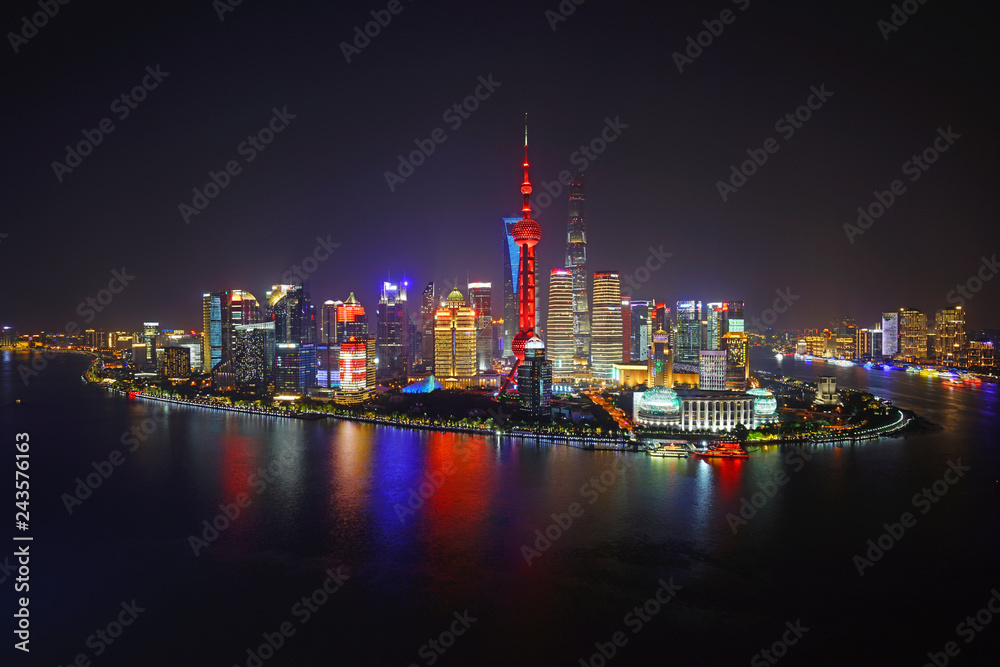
(211, 334)
(950, 344)
(712, 370)
(428, 306)
(391, 329)
(481, 300)
(640, 330)
(890, 335)
(714, 316)
(351, 320)
(559, 326)
(576, 263)
(732, 318)
(253, 356)
(736, 345)
(688, 327)
(295, 339)
(534, 380)
(511, 262)
(626, 329)
(150, 335)
(660, 361)
(352, 360)
(912, 334)
(982, 354)
(328, 347)
(455, 338)
(222, 312)
(606, 324)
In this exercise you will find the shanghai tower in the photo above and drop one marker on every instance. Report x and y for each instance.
(576, 262)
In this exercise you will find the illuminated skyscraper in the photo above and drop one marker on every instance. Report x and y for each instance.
(428, 306)
(949, 325)
(351, 320)
(253, 356)
(328, 348)
(534, 380)
(455, 338)
(641, 334)
(211, 334)
(295, 339)
(737, 348)
(890, 334)
(688, 327)
(353, 365)
(732, 318)
(713, 312)
(576, 262)
(559, 325)
(392, 329)
(481, 300)
(150, 334)
(660, 361)
(606, 324)
(912, 334)
(222, 312)
(626, 329)
(511, 260)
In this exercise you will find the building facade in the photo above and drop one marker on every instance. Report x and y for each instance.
(606, 324)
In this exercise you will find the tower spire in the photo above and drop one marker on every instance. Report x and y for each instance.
(526, 185)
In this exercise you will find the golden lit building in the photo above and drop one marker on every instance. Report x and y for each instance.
(912, 334)
(737, 347)
(606, 324)
(455, 338)
(660, 360)
(559, 325)
(949, 325)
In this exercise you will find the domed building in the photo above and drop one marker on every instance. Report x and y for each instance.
(659, 406)
(765, 406)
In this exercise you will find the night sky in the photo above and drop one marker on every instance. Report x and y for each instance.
(655, 185)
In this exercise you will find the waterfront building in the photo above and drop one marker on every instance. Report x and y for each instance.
(455, 338)
(950, 343)
(481, 300)
(428, 306)
(826, 390)
(912, 334)
(890, 335)
(982, 354)
(295, 339)
(606, 324)
(559, 327)
(696, 409)
(392, 327)
(712, 370)
(534, 380)
(150, 335)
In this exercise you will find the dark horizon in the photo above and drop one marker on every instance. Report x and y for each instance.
(888, 92)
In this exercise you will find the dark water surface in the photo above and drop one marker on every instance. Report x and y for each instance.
(336, 498)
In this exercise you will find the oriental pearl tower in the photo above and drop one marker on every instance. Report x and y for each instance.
(526, 233)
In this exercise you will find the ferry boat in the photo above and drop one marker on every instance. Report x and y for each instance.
(973, 380)
(953, 383)
(913, 369)
(728, 450)
(673, 449)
